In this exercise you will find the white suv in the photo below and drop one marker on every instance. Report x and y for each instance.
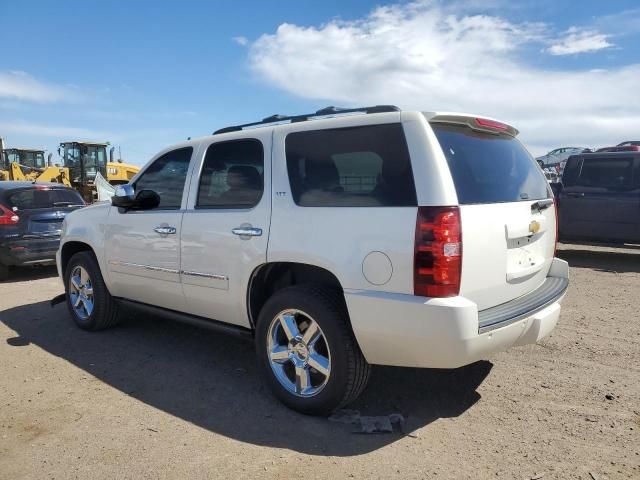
(336, 240)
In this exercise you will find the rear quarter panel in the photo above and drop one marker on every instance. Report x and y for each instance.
(340, 238)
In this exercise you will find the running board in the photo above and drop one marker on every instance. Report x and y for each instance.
(201, 322)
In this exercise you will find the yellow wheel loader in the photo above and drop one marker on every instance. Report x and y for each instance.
(84, 160)
(26, 164)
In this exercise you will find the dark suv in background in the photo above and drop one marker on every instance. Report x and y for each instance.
(31, 216)
(599, 198)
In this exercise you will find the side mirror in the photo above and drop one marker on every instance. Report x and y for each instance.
(124, 196)
(146, 200)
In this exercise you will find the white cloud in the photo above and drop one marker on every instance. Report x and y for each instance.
(22, 86)
(580, 41)
(427, 56)
(626, 22)
(240, 40)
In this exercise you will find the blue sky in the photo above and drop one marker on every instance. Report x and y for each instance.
(144, 75)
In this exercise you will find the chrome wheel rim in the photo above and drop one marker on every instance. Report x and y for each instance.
(81, 292)
(298, 352)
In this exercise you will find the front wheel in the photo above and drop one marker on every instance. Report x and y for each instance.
(90, 303)
(307, 351)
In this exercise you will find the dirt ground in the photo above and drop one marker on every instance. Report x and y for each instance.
(156, 399)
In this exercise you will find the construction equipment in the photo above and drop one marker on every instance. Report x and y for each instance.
(28, 164)
(84, 160)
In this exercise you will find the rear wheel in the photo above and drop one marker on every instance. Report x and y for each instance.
(307, 351)
(90, 303)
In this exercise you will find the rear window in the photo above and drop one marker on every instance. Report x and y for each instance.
(366, 166)
(488, 168)
(41, 198)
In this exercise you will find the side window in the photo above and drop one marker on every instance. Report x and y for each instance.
(571, 172)
(606, 172)
(166, 176)
(364, 166)
(232, 175)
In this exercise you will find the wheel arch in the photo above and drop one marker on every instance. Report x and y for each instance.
(268, 278)
(69, 249)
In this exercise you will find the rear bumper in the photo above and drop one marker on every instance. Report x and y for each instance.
(24, 251)
(410, 331)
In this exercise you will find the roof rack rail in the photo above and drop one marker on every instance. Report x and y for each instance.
(303, 118)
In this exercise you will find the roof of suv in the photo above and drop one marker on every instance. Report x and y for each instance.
(341, 117)
(332, 113)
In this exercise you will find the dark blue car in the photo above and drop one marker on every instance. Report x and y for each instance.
(31, 216)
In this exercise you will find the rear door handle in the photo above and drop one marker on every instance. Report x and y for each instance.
(247, 231)
(165, 230)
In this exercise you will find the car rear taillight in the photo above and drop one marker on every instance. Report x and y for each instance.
(8, 217)
(437, 252)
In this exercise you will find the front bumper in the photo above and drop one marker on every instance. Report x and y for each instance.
(25, 251)
(409, 331)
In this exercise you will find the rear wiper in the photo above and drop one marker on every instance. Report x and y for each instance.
(542, 204)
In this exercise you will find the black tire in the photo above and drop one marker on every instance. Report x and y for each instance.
(4, 272)
(349, 370)
(105, 308)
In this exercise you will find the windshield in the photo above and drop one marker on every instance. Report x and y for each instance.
(26, 158)
(489, 168)
(85, 161)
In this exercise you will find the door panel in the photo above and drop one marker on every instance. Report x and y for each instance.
(143, 264)
(603, 204)
(582, 214)
(233, 193)
(143, 247)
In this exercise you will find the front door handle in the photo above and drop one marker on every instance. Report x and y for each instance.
(247, 231)
(574, 194)
(165, 230)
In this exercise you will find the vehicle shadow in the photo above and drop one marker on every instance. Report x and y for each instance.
(602, 261)
(21, 274)
(210, 380)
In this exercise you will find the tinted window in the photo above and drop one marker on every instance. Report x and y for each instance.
(606, 172)
(166, 177)
(350, 167)
(232, 175)
(571, 171)
(489, 168)
(40, 198)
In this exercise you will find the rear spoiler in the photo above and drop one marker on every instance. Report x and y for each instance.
(476, 123)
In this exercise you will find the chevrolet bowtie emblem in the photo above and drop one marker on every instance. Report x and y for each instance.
(534, 227)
